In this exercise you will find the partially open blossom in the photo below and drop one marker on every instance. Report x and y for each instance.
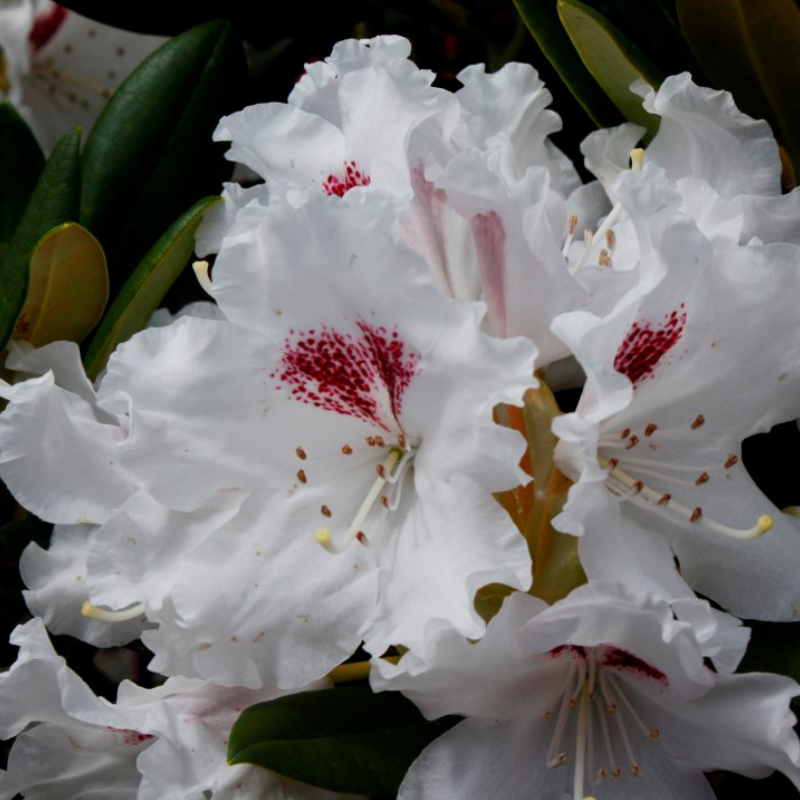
(603, 693)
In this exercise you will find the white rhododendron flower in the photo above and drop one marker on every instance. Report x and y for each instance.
(602, 693)
(62, 67)
(484, 196)
(358, 420)
(152, 744)
(676, 382)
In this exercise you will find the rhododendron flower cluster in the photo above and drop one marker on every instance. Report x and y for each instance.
(340, 452)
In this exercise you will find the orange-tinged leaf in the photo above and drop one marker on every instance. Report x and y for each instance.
(67, 287)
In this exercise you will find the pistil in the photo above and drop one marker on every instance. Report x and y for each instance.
(389, 472)
(93, 612)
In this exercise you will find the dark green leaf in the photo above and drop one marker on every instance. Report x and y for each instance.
(54, 201)
(21, 164)
(145, 289)
(614, 60)
(67, 287)
(774, 647)
(749, 47)
(344, 740)
(16, 535)
(543, 22)
(150, 155)
(654, 27)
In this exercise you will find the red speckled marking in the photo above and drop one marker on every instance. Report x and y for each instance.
(46, 25)
(646, 344)
(574, 650)
(623, 661)
(131, 737)
(346, 373)
(339, 184)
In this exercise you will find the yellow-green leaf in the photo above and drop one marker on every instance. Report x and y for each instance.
(613, 59)
(67, 287)
(542, 21)
(749, 47)
(145, 289)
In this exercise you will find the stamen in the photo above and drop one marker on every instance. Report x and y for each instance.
(301, 454)
(553, 757)
(301, 476)
(347, 450)
(699, 421)
(93, 612)
(732, 459)
(650, 429)
(645, 496)
(201, 273)
(324, 535)
(637, 160)
(611, 241)
(580, 744)
(572, 226)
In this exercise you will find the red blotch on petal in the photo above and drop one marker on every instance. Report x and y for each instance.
(46, 25)
(623, 661)
(339, 184)
(359, 375)
(645, 345)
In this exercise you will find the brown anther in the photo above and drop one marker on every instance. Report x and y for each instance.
(384, 501)
(370, 440)
(699, 421)
(326, 512)
(572, 224)
(603, 259)
(381, 470)
(664, 499)
(401, 440)
(637, 487)
(573, 703)
(301, 454)
(601, 773)
(696, 514)
(380, 441)
(362, 539)
(301, 476)
(611, 239)
(635, 770)
(732, 459)
(612, 709)
(625, 434)
(549, 714)
(702, 478)
(632, 443)
(654, 733)
(347, 450)
(613, 463)
(562, 759)
(616, 772)
(650, 429)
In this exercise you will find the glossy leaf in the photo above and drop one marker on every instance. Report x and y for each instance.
(67, 287)
(749, 47)
(543, 22)
(21, 164)
(655, 28)
(54, 201)
(344, 740)
(150, 154)
(613, 59)
(145, 289)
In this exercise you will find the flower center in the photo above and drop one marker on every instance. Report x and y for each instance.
(604, 712)
(625, 483)
(390, 472)
(604, 232)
